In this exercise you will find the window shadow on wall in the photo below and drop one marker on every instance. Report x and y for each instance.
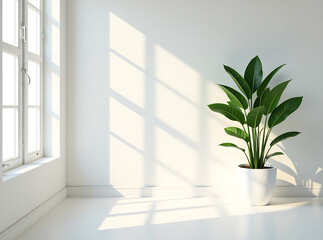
(161, 131)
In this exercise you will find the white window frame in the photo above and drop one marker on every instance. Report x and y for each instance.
(23, 78)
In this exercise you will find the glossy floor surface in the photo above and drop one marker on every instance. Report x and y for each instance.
(178, 218)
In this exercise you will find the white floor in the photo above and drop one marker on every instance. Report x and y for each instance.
(179, 218)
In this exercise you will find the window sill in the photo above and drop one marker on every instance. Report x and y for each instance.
(26, 168)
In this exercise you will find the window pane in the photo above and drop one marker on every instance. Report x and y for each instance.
(34, 86)
(33, 31)
(10, 133)
(36, 3)
(33, 129)
(9, 79)
(10, 21)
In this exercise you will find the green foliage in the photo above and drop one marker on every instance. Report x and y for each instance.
(274, 154)
(256, 114)
(272, 98)
(265, 83)
(237, 132)
(230, 112)
(253, 74)
(240, 81)
(231, 145)
(284, 110)
(235, 97)
(283, 137)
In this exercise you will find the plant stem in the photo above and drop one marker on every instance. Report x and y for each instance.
(249, 144)
(265, 160)
(263, 145)
(254, 136)
(247, 158)
(266, 140)
(258, 145)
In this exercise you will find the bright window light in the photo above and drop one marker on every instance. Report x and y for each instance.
(10, 22)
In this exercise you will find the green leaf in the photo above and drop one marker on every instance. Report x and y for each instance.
(254, 116)
(239, 80)
(265, 83)
(272, 98)
(267, 90)
(274, 154)
(237, 132)
(253, 74)
(283, 137)
(236, 97)
(231, 145)
(256, 103)
(284, 110)
(228, 111)
(234, 105)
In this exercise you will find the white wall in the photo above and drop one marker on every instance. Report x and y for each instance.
(142, 72)
(25, 188)
(25, 192)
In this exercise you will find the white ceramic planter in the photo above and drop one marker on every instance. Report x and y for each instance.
(256, 185)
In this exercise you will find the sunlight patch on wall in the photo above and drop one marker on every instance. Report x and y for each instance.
(216, 123)
(214, 94)
(55, 115)
(126, 146)
(284, 177)
(55, 45)
(55, 94)
(222, 159)
(177, 163)
(56, 10)
(178, 75)
(127, 41)
(127, 124)
(126, 164)
(176, 112)
(127, 80)
(52, 79)
(55, 136)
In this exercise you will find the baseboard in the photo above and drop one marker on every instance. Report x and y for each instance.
(146, 192)
(27, 221)
(220, 192)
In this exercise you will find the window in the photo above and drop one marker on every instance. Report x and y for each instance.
(21, 81)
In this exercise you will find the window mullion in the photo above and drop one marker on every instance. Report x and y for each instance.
(33, 58)
(20, 87)
(24, 92)
(33, 7)
(11, 49)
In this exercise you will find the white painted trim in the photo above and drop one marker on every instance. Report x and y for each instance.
(27, 221)
(10, 174)
(220, 192)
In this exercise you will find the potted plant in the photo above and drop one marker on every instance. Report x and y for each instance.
(257, 110)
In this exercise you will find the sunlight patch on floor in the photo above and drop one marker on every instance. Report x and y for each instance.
(149, 211)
